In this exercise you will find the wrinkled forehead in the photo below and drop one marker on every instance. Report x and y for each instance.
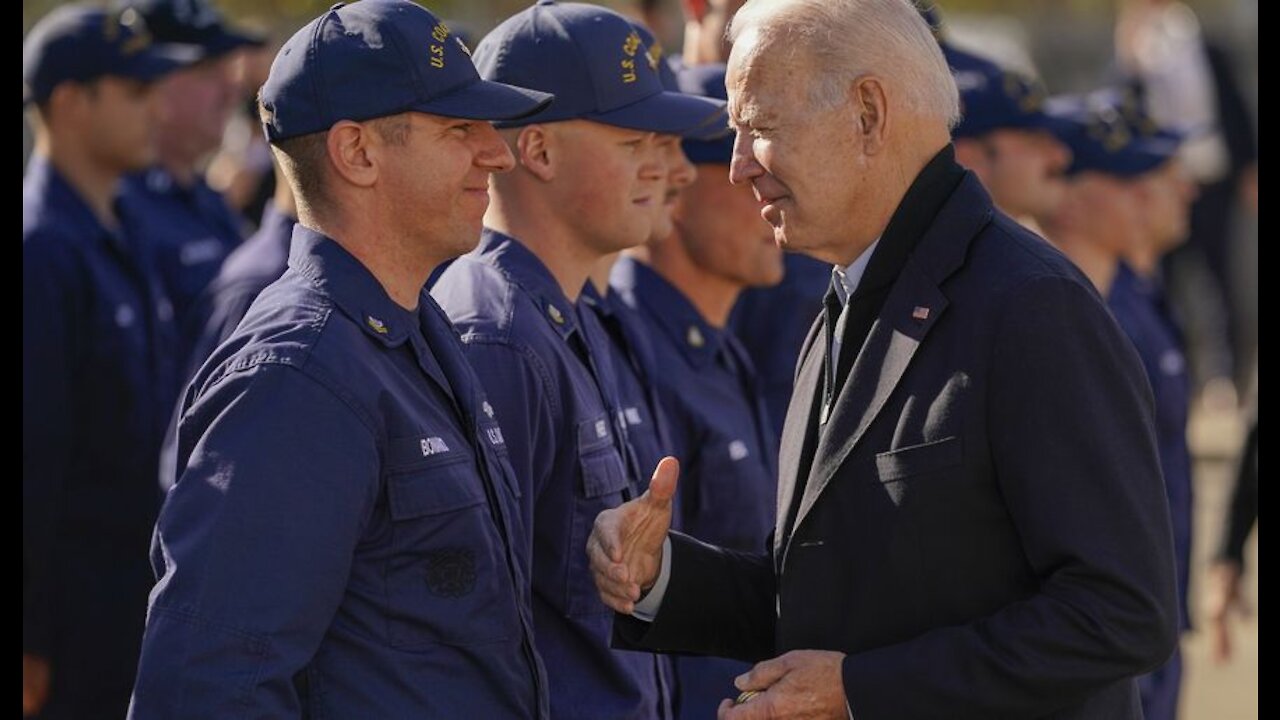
(763, 76)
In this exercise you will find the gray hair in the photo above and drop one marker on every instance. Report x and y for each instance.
(850, 38)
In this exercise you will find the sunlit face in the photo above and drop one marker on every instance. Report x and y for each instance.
(608, 182)
(118, 116)
(438, 180)
(1166, 196)
(196, 102)
(806, 166)
(680, 173)
(723, 233)
(1022, 169)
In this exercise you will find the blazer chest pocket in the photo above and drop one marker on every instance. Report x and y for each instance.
(920, 459)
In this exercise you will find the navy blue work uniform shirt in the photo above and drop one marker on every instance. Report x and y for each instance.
(344, 540)
(250, 268)
(532, 349)
(1140, 309)
(772, 324)
(98, 384)
(629, 357)
(722, 436)
(191, 230)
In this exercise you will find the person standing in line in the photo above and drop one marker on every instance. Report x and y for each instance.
(1127, 205)
(587, 178)
(344, 538)
(170, 204)
(97, 375)
(682, 287)
(1007, 139)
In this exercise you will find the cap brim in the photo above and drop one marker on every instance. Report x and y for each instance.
(664, 112)
(1054, 124)
(488, 100)
(716, 127)
(709, 152)
(218, 41)
(160, 60)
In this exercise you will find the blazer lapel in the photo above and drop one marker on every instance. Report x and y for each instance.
(799, 424)
(912, 309)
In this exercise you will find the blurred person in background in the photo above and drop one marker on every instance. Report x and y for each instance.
(1006, 138)
(1126, 207)
(241, 169)
(98, 379)
(1224, 596)
(252, 266)
(1188, 82)
(170, 204)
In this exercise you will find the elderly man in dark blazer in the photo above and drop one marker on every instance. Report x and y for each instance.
(971, 518)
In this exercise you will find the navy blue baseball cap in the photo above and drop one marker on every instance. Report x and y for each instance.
(377, 58)
(595, 63)
(1109, 134)
(707, 80)
(669, 68)
(80, 43)
(192, 22)
(992, 98)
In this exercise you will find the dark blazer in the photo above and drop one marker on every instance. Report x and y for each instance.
(983, 528)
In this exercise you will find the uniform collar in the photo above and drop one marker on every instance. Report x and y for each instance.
(354, 290)
(525, 270)
(1129, 278)
(845, 280)
(72, 211)
(698, 340)
(159, 181)
(275, 220)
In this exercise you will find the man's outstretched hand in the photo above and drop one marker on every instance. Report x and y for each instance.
(625, 547)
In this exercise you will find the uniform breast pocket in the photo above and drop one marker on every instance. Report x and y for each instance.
(898, 469)
(447, 577)
(604, 485)
(736, 494)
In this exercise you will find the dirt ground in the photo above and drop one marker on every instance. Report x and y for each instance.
(1210, 691)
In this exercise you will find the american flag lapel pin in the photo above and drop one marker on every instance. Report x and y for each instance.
(920, 314)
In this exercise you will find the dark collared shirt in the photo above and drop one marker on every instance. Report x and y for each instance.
(533, 350)
(1141, 310)
(98, 384)
(345, 539)
(190, 229)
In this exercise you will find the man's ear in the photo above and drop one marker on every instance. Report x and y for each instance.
(536, 151)
(353, 151)
(871, 112)
(68, 100)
